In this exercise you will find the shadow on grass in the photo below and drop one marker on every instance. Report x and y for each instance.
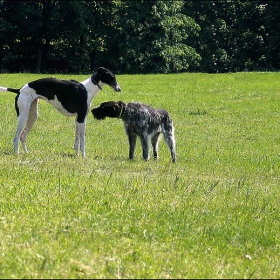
(68, 155)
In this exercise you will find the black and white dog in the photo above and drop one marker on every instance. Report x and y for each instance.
(69, 97)
(143, 121)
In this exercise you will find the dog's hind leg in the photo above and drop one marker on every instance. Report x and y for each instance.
(155, 140)
(170, 141)
(22, 118)
(145, 141)
(32, 117)
(168, 131)
(132, 144)
(22, 107)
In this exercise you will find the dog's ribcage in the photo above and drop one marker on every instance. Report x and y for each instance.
(140, 118)
(68, 100)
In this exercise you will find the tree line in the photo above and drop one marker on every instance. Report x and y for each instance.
(154, 36)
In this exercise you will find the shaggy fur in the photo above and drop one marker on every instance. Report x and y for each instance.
(70, 98)
(143, 121)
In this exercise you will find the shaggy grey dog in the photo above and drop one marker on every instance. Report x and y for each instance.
(143, 121)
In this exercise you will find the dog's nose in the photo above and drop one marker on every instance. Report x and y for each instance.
(118, 88)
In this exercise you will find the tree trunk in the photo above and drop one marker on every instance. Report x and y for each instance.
(42, 56)
(39, 59)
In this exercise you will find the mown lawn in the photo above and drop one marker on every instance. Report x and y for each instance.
(212, 214)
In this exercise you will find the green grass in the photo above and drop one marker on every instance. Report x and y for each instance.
(213, 214)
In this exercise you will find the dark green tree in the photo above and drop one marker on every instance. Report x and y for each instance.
(231, 37)
(39, 32)
(270, 31)
(153, 36)
(139, 36)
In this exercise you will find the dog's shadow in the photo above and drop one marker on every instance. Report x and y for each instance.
(6, 151)
(68, 155)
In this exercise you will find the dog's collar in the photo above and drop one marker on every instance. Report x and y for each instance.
(121, 112)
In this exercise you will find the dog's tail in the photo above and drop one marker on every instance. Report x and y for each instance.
(9, 89)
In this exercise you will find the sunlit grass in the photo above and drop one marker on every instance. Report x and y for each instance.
(213, 214)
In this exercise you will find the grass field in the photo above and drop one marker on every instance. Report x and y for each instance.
(213, 214)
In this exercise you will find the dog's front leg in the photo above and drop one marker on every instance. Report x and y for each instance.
(80, 138)
(77, 138)
(132, 144)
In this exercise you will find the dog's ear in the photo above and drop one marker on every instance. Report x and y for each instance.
(101, 70)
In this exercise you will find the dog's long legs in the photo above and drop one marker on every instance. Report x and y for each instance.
(32, 117)
(23, 105)
(170, 141)
(132, 144)
(145, 141)
(155, 141)
(22, 118)
(80, 138)
(77, 137)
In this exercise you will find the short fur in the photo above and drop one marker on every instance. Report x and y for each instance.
(69, 97)
(143, 121)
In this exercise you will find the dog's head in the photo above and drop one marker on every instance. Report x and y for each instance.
(105, 76)
(111, 109)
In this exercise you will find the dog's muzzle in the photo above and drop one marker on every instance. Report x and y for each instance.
(95, 112)
(117, 87)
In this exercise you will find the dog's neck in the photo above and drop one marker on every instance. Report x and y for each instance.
(91, 88)
(122, 112)
(95, 82)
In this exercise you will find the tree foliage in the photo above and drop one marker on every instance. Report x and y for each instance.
(153, 39)
(139, 36)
